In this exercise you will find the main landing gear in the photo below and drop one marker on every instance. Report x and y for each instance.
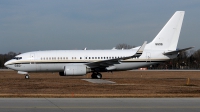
(27, 76)
(96, 75)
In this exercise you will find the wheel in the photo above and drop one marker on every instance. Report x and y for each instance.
(93, 76)
(26, 76)
(98, 76)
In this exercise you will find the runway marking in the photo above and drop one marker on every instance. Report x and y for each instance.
(145, 107)
(99, 81)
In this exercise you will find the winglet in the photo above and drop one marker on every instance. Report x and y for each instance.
(114, 48)
(140, 50)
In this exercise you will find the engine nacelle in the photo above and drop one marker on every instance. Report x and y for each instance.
(75, 70)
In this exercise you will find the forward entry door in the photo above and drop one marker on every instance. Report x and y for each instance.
(32, 58)
(32, 62)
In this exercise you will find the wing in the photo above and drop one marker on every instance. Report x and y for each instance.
(178, 51)
(109, 62)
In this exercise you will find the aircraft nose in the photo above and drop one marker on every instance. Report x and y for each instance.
(6, 64)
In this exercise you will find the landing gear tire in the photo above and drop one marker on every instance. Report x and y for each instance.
(93, 76)
(96, 76)
(26, 76)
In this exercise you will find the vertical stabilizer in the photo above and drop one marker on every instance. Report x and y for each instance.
(167, 38)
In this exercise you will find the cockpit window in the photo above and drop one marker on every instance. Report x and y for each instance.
(17, 58)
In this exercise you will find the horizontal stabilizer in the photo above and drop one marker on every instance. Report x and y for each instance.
(177, 51)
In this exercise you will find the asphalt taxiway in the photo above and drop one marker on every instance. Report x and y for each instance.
(99, 104)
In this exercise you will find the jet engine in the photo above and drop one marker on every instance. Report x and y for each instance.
(74, 70)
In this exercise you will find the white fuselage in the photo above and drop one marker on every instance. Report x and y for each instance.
(54, 61)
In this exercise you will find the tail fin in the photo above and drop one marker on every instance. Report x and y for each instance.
(167, 38)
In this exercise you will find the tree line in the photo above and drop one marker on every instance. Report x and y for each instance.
(6, 57)
(186, 60)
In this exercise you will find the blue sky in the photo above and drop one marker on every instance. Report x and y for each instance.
(31, 25)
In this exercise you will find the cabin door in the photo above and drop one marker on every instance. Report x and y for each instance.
(32, 58)
(32, 66)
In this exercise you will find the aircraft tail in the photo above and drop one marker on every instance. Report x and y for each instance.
(167, 38)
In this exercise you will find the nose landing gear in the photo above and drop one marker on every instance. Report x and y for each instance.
(27, 76)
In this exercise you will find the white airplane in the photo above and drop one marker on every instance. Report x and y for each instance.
(81, 62)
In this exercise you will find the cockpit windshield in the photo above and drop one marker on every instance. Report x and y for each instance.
(17, 58)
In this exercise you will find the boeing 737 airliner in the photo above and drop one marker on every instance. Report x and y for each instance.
(81, 62)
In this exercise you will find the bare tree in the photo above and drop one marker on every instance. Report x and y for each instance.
(6, 57)
(195, 59)
(124, 46)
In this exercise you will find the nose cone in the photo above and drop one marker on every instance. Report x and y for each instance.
(9, 64)
(6, 64)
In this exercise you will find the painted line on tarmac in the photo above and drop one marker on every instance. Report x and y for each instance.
(104, 107)
(99, 81)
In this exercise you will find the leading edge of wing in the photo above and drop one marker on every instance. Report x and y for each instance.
(109, 62)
